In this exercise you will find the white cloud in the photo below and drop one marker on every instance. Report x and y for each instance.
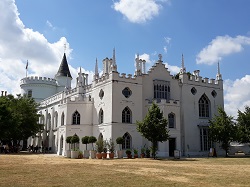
(173, 69)
(236, 95)
(139, 11)
(221, 46)
(19, 44)
(49, 24)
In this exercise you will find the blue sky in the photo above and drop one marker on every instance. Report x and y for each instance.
(204, 31)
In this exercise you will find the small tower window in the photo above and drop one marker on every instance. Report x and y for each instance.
(101, 116)
(29, 93)
(213, 93)
(193, 91)
(127, 92)
(101, 94)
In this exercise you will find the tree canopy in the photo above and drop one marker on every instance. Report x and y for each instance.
(223, 130)
(243, 121)
(18, 118)
(154, 127)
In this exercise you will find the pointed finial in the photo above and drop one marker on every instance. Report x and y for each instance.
(96, 67)
(114, 60)
(138, 56)
(218, 68)
(160, 57)
(182, 61)
(65, 47)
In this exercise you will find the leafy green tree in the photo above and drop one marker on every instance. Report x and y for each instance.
(18, 118)
(154, 127)
(223, 130)
(244, 125)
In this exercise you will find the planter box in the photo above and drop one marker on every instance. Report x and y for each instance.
(92, 154)
(68, 154)
(120, 154)
(86, 154)
(74, 154)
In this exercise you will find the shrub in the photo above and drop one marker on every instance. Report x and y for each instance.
(92, 140)
(85, 140)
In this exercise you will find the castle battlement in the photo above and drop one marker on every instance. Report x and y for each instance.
(38, 80)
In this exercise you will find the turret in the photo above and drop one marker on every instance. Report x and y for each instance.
(140, 66)
(63, 75)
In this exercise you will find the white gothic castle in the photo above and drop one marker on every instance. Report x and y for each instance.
(110, 106)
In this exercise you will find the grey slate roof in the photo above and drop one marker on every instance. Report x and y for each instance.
(64, 68)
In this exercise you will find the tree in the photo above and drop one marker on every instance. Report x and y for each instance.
(223, 130)
(244, 125)
(154, 127)
(18, 118)
(85, 140)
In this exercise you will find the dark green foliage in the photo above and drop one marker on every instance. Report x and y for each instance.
(99, 145)
(154, 127)
(111, 146)
(68, 140)
(244, 125)
(18, 118)
(128, 152)
(119, 141)
(85, 140)
(74, 140)
(223, 130)
(92, 140)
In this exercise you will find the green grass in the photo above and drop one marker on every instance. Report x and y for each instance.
(52, 170)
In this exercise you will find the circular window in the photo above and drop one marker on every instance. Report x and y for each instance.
(193, 91)
(213, 93)
(127, 92)
(101, 93)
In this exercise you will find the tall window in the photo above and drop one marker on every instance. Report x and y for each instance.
(29, 93)
(205, 142)
(62, 119)
(101, 116)
(171, 120)
(161, 89)
(48, 122)
(126, 115)
(76, 118)
(204, 107)
(56, 120)
(127, 141)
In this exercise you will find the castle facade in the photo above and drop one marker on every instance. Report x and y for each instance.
(110, 106)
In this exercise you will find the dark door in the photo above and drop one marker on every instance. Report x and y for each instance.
(172, 146)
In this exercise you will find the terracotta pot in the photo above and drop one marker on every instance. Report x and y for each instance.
(129, 156)
(104, 155)
(135, 155)
(99, 155)
(111, 155)
(142, 155)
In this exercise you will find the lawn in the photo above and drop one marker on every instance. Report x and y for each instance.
(51, 170)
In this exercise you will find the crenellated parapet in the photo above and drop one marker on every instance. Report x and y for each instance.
(52, 99)
(196, 79)
(38, 80)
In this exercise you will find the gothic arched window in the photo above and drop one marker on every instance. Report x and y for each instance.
(101, 116)
(62, 119)
(126, 115)
(127, 141)
(171, 120)
(76, 118)
(204, 107)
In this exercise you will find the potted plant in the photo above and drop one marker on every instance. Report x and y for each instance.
(135, 153)
(80, 154)
(142, 152)
(74, 140)
(99, 148)
(85, 140)
(128, 153)
(68, 141)
(92, 152)
(104, 151)
(119, 141)
(147, 152)
(111, 148)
